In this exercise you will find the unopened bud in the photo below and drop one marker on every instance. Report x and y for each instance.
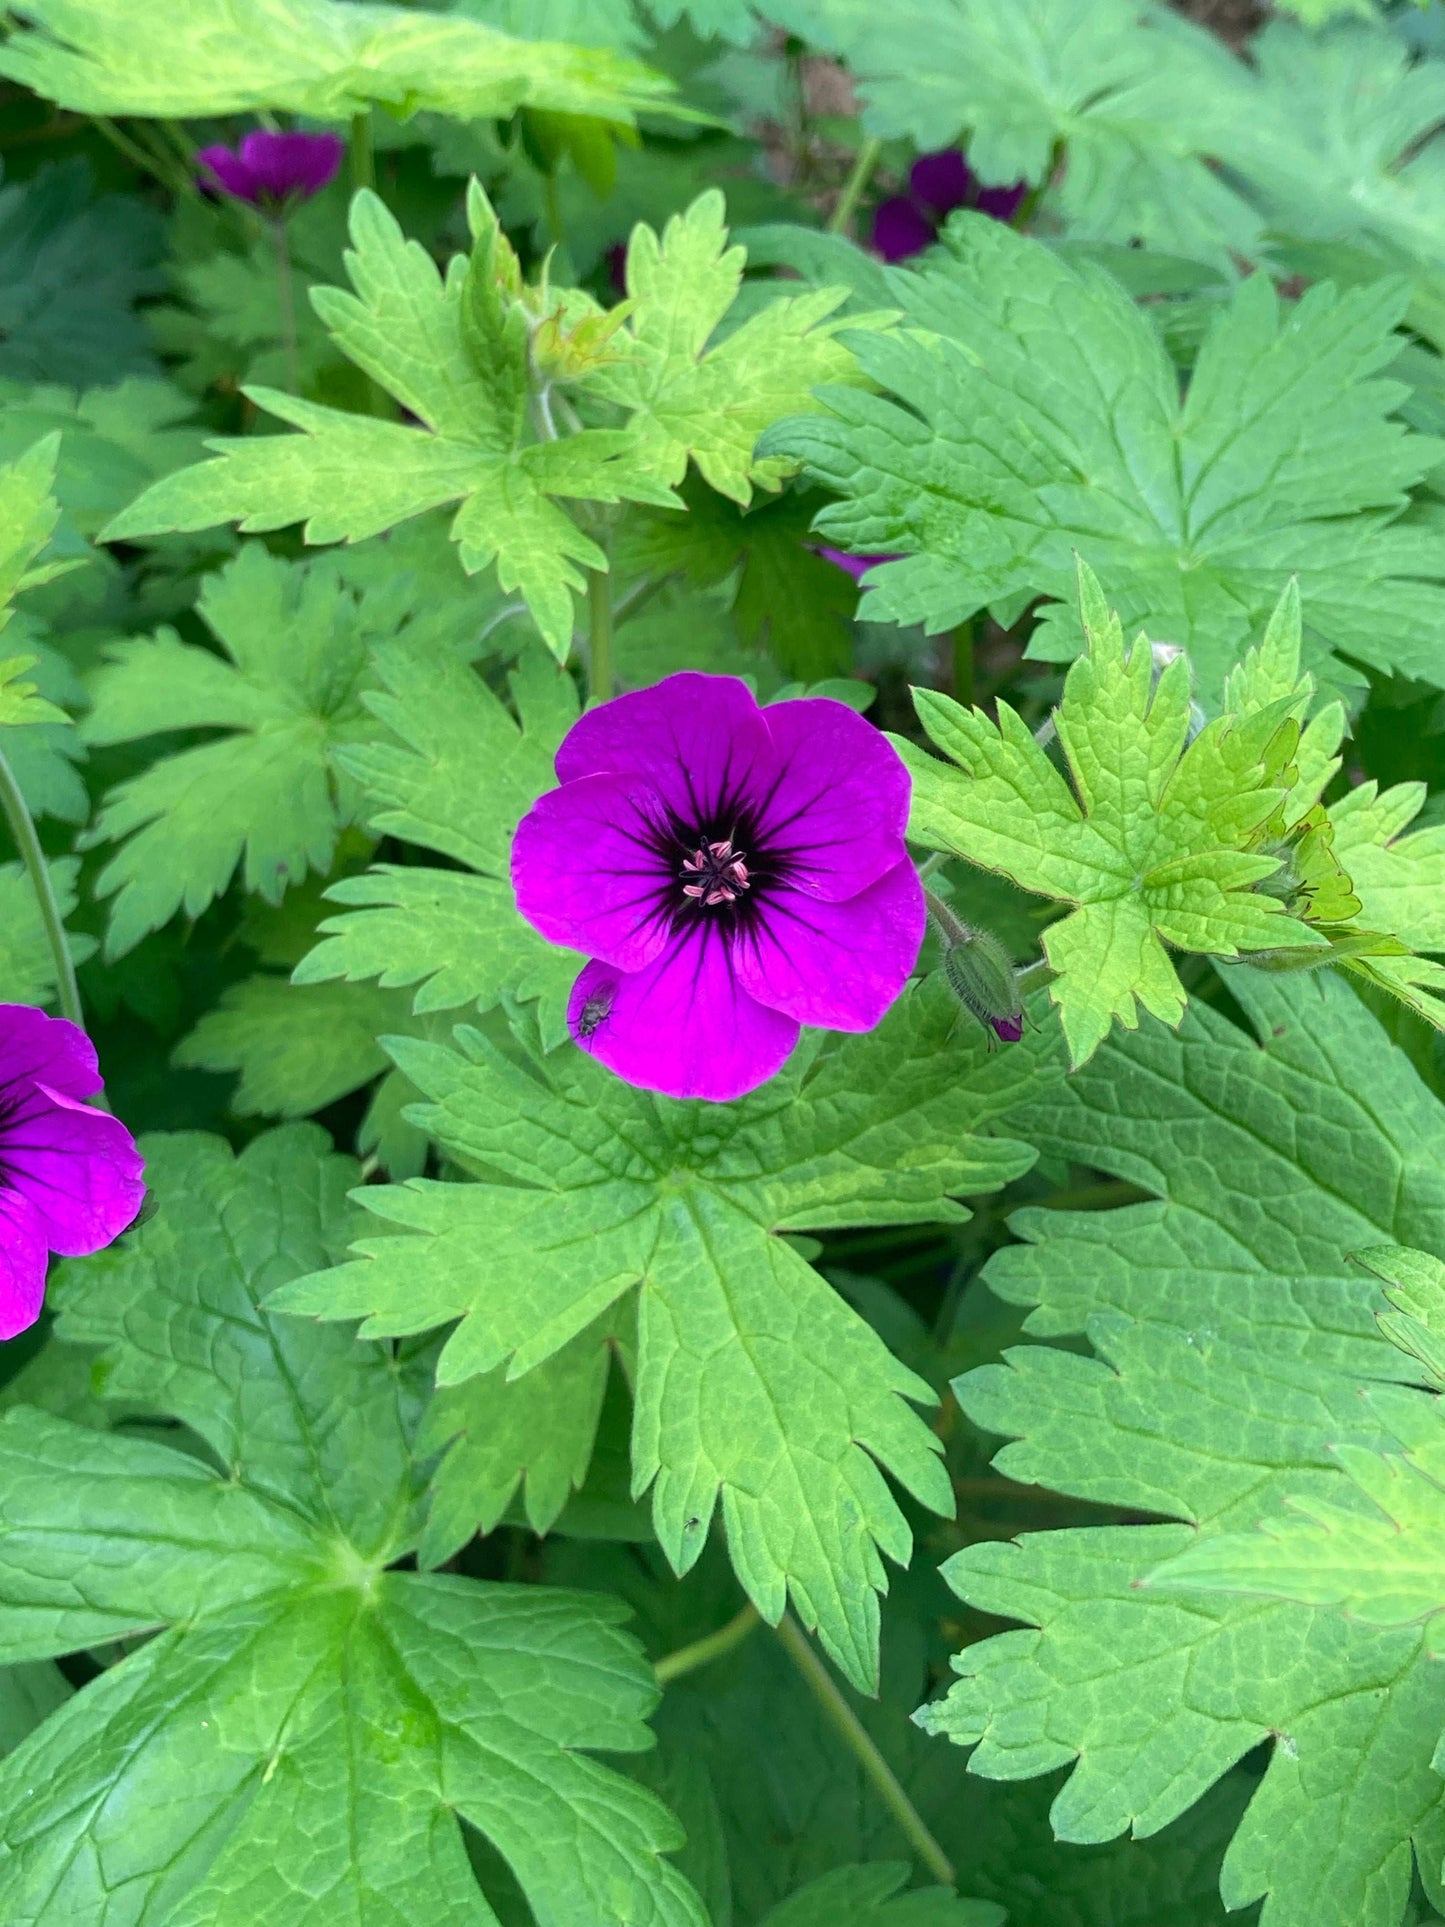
(980, 973)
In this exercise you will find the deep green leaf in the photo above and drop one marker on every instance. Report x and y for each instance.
(1040, 417)
(608, 1188)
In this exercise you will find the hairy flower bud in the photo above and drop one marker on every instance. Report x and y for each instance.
(979, 972)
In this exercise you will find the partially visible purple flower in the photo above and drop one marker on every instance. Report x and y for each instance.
(937, 185)
(1001, 203)
(855, 565)
(70, 1175)
(901, 229)
(268, 170)
(942, 182)
(1010, 1029)
(733, 872)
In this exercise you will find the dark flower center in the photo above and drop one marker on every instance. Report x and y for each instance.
(714, 873)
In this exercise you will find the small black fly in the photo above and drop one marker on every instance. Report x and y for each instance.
(595, 1011)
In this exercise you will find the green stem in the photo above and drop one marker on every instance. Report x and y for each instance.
(363, 159)
(963, 664)
(181, 144)
(637, 598)
(702, 1652)
(183, 179)
(861, 1744)
(134, 152)
(287, 300)
(22, 828)
(858, 178)
(599, 611)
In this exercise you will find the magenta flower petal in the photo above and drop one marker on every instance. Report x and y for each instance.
(70, 1175)
(699, 738)
(599, 827)
(732, 871)
(270, 169)
(76, 1167)
(942, 181)
(838, 809)
(839, 965)
(1001, 203)
(682, 1026)
(285, 164)
(855, 565)
(901, 229)
(34, 1047)
(23, 1258)
(221, 168)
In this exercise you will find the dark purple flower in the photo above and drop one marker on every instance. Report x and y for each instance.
(901, 229)
(942, 182)
(70, 1175)
(855, 565)
(734, 872)
(268, 170)
(937, 185)
(1001, 203)
(1010, 1029)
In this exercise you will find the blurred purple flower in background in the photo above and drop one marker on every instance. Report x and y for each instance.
(855, 565)
(937, 185)
(734, 872)
(269, 170)
(70, 1175)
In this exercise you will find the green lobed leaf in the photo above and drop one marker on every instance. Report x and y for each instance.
(1399, 879)
(755, 1382)
(352, 476)
(1233, 1334)
(688, 400)
(1340, 146)
(499, 1435)
(1036, 415)
(785, 597)
(298, 1742)
(803, 1805)
(1134, 100)
(1415, 1287)
(1159, 840)
(455, 774)
(266, 798)
(314, 57)
(113, 441)
(71, 269)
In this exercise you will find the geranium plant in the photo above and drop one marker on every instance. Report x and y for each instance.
(722, 964)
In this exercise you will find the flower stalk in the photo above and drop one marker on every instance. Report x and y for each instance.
(599, 614)
(363, 155)
(287, 301)
(864, 1748)
(859, 176)
(22, 828)
(702, 1652)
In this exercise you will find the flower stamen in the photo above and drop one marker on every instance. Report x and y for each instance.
(715, 873)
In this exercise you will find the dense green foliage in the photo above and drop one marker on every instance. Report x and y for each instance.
(457, 1413)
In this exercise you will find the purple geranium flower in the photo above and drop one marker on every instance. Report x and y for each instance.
(268, 170)
(70, 1175)
(734, 872)
(937, 184)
